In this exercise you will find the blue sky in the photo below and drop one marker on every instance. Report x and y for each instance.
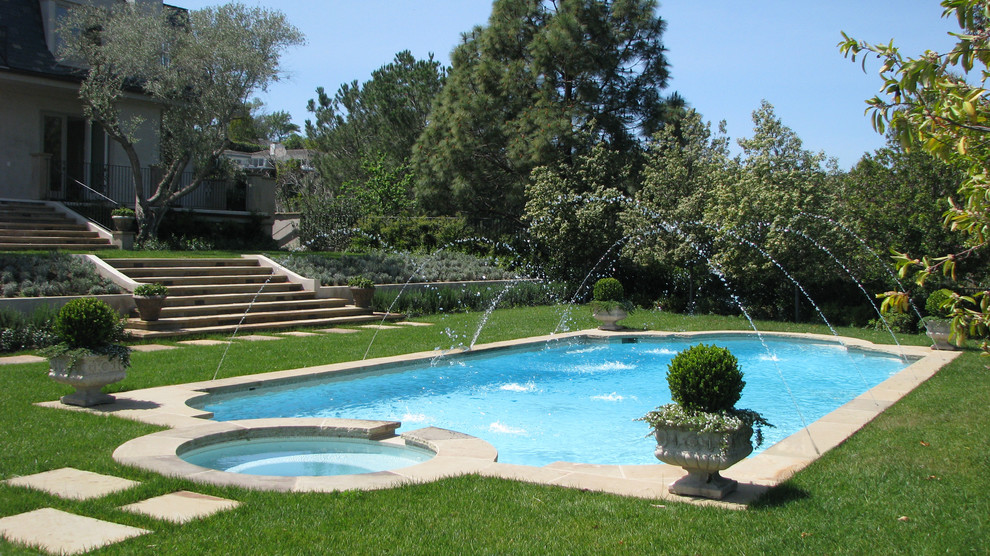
(725, 55)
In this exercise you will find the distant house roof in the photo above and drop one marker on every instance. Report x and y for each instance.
(22, 42)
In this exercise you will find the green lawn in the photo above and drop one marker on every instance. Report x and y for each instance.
(913, 481)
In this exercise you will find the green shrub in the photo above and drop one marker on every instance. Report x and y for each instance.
(608, 289)
(122, 211)
(417, 234)
(901, 323)
(88, 323)
(933, 305)
(19, 331)
(705, 378)
(151, 290)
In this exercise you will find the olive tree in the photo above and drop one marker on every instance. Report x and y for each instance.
(199, 68)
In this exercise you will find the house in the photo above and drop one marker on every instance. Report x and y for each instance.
(48, 149)
(265, 160)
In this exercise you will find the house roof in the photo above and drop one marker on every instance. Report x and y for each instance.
(22, 42)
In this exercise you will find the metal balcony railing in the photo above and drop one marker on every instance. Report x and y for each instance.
(95, 190)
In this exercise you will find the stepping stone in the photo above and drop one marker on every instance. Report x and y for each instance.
(204, 342)
(379, 327)
(339, 330)
(58, 532)
(145, 348)
(181, 506)
(257, 338)
(20, 359)
(410, 323)
(299, 334)
(73, 483)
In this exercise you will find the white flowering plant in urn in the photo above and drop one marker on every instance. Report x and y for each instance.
(702, 431)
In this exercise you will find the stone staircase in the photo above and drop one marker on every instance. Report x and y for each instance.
(34, 225)
(220, 295)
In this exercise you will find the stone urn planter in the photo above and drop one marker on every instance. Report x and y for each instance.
(149, 300)
(124, 219)
(939, 331)
(702, 431)
(362, 291)
(124, 223)
(702, 455)
(86, 356)
(609, 317)
(608, 305)
(149, 307)
(88, 375)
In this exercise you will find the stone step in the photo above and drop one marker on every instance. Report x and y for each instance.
(51, 240)
(28, 219)
(77, 232)
(235, 298)
(268, 317)
(53, 246)
(122, 264)
(254, 327)
(213, 290)
(214, 280)
(256, 307)
(39, 225)
(140, 274)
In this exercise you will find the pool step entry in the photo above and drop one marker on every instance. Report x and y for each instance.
(36, 225)
(219, 295)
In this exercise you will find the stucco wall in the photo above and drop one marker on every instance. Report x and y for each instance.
(23, 103)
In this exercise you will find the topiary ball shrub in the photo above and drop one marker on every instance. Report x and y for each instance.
(88, 323)
(705, 378)
(933, 305)
(608, 289)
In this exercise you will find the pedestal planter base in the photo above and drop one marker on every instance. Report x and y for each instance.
(704, 485)
(610, 318)
(939, 332)
(703, 455)
(88, 376)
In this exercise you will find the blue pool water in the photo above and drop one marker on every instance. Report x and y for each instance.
(305, 456)
(574, 400)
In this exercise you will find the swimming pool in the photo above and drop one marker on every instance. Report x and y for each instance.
(573, 400)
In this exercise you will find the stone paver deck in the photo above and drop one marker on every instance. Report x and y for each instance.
(74, 484)
(146, 348)
(339, 330)
(181, 507)
(257, 338)
(203, 342)
(20, 359)
(379, 327)
(58, 532)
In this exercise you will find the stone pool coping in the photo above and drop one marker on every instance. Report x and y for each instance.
(461, 454)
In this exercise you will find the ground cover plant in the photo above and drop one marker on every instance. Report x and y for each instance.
(395, 268)
(912, 481)
(50, 274)
(430, 299)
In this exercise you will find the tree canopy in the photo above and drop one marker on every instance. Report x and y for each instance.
(542, 83)
(375, 123)
(938, 102)
(199, 68)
